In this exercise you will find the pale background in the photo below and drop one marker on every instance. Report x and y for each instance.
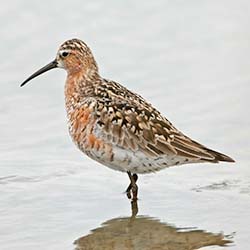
(189, 58)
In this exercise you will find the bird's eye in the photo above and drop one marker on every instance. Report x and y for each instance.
(65, 54)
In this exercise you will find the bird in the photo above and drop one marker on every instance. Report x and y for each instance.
(117, 127)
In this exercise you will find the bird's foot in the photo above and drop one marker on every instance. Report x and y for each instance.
(132, 192)
(132, 189)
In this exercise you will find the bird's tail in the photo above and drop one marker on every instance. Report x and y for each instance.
(219, 156)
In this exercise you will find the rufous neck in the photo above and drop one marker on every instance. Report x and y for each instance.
(80, 84)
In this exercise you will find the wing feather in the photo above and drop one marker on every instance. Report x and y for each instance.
(130, 122)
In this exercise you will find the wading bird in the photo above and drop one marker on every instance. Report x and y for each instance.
(117, 127)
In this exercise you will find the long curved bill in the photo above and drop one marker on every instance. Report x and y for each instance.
(49, 66)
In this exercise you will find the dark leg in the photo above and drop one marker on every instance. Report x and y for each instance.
(135, 177)
(132, 186)
(134, 208)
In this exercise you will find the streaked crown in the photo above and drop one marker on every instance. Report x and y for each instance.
(74, 45)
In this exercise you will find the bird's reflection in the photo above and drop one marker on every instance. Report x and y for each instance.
(145, 233)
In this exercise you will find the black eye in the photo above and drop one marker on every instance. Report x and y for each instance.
(64, 54)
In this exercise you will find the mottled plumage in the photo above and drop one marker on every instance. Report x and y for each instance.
(117, 127)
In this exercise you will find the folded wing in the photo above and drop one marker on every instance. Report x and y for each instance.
(131, 123)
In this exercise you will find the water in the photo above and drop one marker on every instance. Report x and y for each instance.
(191, 60)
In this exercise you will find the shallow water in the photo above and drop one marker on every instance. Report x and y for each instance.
(191, 60)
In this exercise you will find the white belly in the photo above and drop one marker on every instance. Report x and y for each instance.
(137, 162)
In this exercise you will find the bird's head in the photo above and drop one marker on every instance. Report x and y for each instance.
(74, 56)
